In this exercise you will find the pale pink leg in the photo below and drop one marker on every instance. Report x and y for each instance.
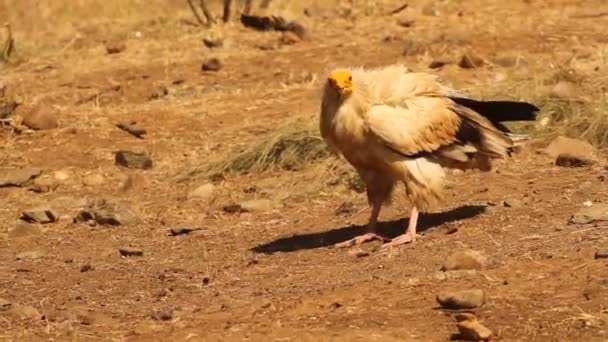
(410, 234)
(371, 230)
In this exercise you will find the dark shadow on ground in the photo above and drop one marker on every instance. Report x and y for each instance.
(390, 229)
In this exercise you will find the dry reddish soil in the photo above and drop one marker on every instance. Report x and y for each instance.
(272, 274)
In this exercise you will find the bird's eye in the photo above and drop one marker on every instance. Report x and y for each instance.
(350, 78)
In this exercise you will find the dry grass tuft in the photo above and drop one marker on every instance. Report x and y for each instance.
(289, 147)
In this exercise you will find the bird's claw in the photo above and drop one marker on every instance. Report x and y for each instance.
(360, 240)
(400, 240)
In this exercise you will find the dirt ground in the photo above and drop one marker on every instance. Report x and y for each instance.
(271, 274)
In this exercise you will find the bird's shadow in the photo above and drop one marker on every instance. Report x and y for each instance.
(390, 229)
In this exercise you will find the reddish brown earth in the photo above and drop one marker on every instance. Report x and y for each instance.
(271, 274)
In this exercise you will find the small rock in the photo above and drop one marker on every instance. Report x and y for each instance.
(470, 61)
(601, 254)
(183, 230)
(132, 128)
(289, 38)
(464, 299)
(29, 255)
(41, 118)
(4, 304)
(569, 146)
(133, 159)
(465, 260)
(17, 177)
(438, 63)
(86, 267)
(163, 315)
(115, 47)
(257, 205)
(212, 64)
(232, 208)
(25, 312)
(23, 229)
(213, 43)
(511, 203)
(594, 213)
(405, 23)
(568, 160)
(130, 251)
(93, 179)
(39, 215)
(160, 92)
(472, 330)
(204, 191)
(563, 90)
(104, 212)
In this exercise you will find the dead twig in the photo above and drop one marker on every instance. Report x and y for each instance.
(587, 16)
(227, 10)
(207, 13)
(196, 15)
(398, 9)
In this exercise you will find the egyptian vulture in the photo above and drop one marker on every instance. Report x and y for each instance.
(395, 125)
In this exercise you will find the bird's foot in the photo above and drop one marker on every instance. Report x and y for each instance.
(361, 239)
(400, 240)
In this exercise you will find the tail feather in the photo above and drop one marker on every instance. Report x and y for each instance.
(500, 111)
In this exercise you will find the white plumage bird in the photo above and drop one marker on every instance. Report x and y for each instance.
(394, 125)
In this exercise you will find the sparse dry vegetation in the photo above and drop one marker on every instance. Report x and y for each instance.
(239, 170)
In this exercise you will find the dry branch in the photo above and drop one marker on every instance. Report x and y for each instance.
(207, 13)
(398, 9)
(196, 15)
(227, 10)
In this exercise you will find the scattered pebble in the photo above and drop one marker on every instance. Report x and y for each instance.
(213, 43)
(463, 299)
(133, 159)
(470, 61)
(163, 315)
(568, 160)
(41, 118)
(86, 267)
(4, 304)
(159, 93)
(465, 260)
(593, 213)
(204, 191)
(104, 212)
(130, 251)
(39, 215)
(601, 254)
(17, 177)
(183, 230)
(438, 63)
(511, 203)
(232, 208)
(472, 330)
(115, 47)
(212, 64)
(132, 128)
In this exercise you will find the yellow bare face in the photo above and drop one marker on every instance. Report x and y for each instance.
(342, 82)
